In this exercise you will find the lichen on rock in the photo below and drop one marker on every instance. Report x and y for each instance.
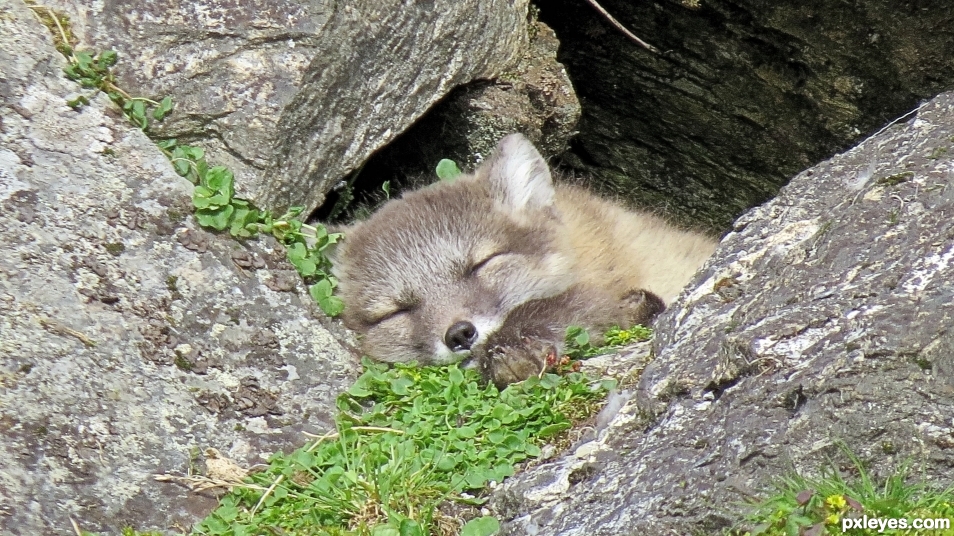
(129, 338)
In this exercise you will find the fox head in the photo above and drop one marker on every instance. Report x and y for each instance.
(435, 273)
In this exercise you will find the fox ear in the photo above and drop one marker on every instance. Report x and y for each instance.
(519, 177)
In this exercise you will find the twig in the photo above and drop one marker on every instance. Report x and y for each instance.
(266, 494)
(56, 21)
(621, 28)
(334, 435)
(329, 435)
(201, 483)
(895, 121)
(59, 329)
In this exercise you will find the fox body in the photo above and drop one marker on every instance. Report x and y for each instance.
(494, 266)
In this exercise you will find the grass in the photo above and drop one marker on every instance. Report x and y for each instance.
(833, 504)
(413, 450)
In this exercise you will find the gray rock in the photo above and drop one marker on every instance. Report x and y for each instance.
(825, 317)
(295, 95)
(388, 64)
(130, 340)
(535, 98)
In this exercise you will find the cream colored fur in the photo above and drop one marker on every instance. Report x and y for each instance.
(622, 249)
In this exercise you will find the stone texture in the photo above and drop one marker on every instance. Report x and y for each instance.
(231, 67)
(535, 98)
(825, 317)
(130, 340)
(743, 95)
(389, 63)
(295, 95)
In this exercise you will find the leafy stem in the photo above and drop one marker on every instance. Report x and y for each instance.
(213, 195)
(217, 207)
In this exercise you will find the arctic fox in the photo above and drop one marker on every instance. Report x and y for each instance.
(494, 266)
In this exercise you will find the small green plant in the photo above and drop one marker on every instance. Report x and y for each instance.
(578, 343)
(92, 71)
(408, 440)
(827, 505)
(447, 170)
(217, 207)
(895, 179)
(213, 197)
(128, 531)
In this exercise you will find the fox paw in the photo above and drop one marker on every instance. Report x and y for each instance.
(642, 306)
(504, 365)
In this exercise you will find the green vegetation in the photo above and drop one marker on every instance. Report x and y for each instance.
(128, 531)
(412, 453)
(895, 179)
(447, 170)
(91, 71)
(830, 503)
(410, 444)
(579, 346)
(218, 208)
(213, 198)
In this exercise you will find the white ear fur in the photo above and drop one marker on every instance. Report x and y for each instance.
(519, 177)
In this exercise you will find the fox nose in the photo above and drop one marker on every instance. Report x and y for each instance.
(460, 336)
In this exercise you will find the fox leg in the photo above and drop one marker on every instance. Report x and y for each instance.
(534, 331)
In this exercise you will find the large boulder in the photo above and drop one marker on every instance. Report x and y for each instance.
(743, 94)
(130, 340)
(294, 96)
(535, 98)
(826, 317)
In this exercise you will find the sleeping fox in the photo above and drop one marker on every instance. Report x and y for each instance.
(493, 267)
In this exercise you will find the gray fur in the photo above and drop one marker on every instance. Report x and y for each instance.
(496, 249)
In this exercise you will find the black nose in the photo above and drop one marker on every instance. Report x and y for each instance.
(460, 336)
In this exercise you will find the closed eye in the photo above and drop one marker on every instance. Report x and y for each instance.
(388, 316)
(478, 265)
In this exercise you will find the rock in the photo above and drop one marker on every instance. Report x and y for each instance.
(295, 95)
(534, 98)
(130, 340)
(743, 94)
(825, 317)
(390, 62)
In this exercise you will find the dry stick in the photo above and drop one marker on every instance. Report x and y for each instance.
(76, 527)
(56, 21)
(622, 28)
(59, 329)
(896, 121)
(72, 57)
